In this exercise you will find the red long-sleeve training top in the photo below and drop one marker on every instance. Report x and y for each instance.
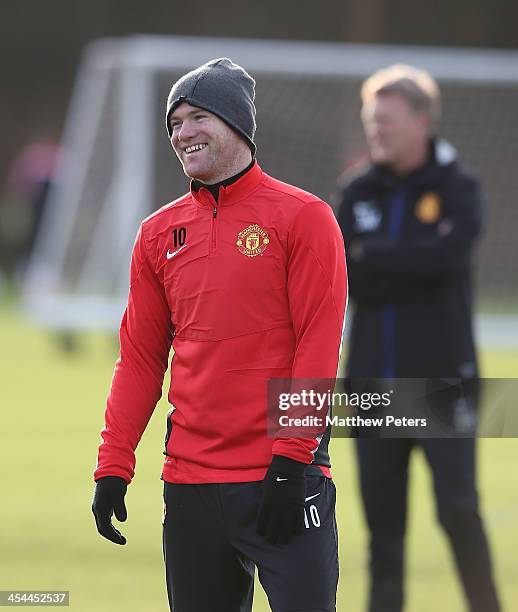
(250, 288)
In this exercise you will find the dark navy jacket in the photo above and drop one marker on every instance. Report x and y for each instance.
(410, 243)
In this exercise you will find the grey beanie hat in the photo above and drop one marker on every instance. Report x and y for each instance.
(220, 87)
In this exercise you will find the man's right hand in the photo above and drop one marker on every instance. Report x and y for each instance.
(108, 500)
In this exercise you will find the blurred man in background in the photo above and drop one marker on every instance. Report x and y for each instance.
(410, 222)
(245, 277)
(22, 205)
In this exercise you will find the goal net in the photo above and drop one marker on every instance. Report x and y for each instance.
(118, 166)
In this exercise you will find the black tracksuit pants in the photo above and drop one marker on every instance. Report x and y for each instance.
(211, 550)
(383, 467)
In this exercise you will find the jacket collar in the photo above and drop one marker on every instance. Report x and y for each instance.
(233, 193)
(441, 154)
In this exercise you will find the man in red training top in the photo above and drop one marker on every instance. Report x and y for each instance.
(245, 277)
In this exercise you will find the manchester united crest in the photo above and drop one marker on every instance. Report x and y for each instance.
(252, 241)
(428, 208)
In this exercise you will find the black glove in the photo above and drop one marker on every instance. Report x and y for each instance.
(281, 513)
(109, 499)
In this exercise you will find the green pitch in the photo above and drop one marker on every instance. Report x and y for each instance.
(52, 408)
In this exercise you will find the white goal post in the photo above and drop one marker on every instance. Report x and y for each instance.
(117, 165)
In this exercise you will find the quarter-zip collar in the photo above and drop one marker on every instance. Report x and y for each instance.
(230, 194)
(214, 189)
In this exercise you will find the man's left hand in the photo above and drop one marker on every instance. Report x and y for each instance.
(281, 513)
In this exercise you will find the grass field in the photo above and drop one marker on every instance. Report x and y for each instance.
(52, 409)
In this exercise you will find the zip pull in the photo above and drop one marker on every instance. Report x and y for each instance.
(213, 229)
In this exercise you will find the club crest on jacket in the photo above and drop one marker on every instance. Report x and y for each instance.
(428, 208)
(252, 241)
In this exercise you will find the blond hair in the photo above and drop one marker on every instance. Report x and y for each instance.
(416, 86)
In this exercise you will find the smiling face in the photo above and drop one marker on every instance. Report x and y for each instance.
(208, 149)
